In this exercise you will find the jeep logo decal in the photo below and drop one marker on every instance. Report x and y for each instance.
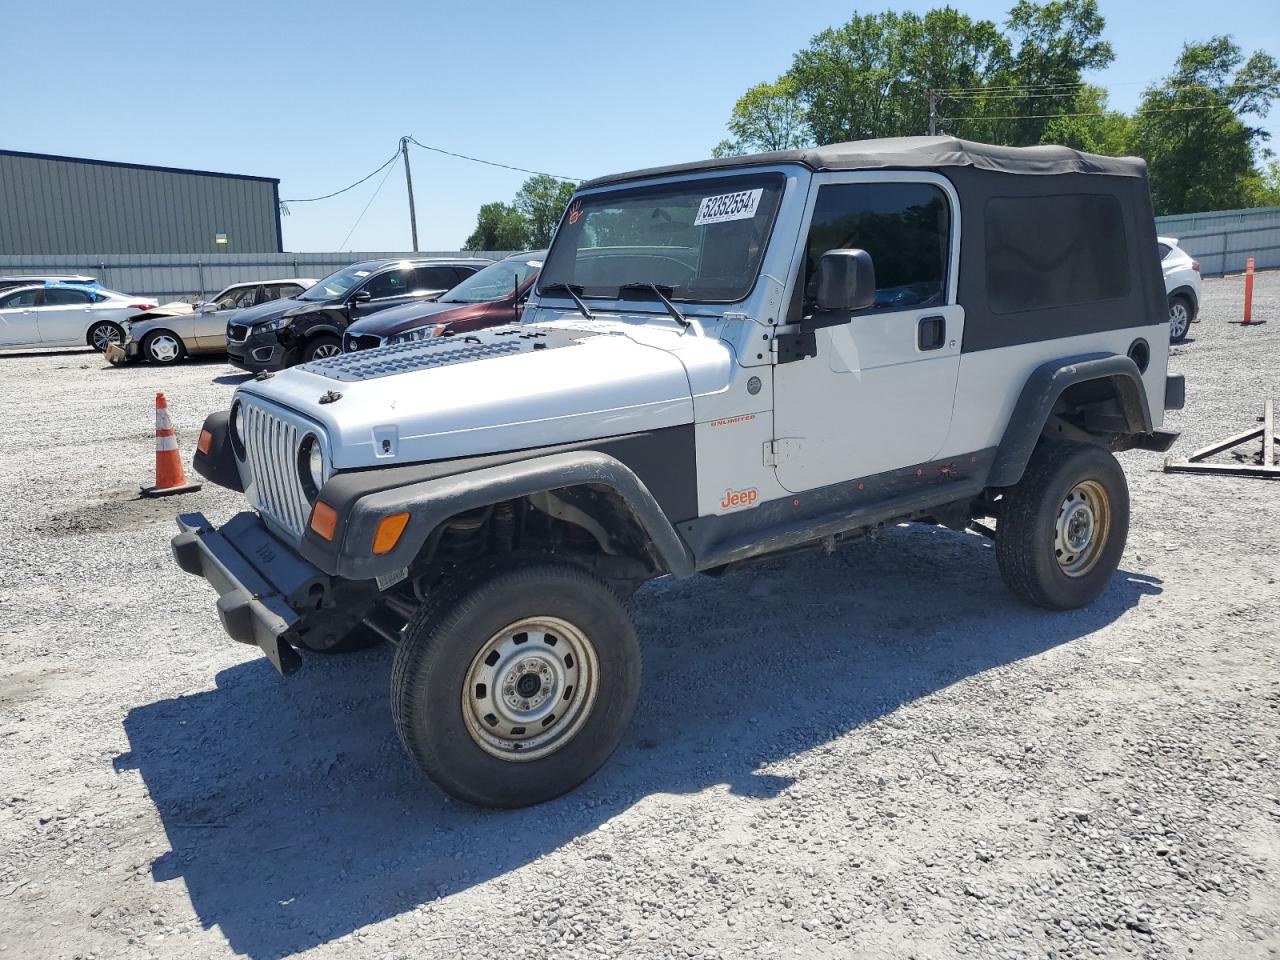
(740, 498)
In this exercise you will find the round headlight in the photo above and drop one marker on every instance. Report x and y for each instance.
(311, 466)
(237, 429)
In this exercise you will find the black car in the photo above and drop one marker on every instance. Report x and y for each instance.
(284, 332)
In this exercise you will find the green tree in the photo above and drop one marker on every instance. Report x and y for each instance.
(1191, 127)
(1088, 124)
(541, 201)
(767, 117)
(499, 226)
(869, 77)
(1054, 44)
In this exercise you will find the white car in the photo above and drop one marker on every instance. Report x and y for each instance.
(1181, 284)
(65, 316)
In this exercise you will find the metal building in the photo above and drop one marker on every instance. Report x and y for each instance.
(65, 205)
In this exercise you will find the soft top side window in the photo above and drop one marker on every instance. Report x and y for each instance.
(1055, 251)
(904, 226)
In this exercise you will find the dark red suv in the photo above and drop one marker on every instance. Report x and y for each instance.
(488, 298)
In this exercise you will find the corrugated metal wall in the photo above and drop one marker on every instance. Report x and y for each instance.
(1223, 239)
(62, 205)
(177, 277)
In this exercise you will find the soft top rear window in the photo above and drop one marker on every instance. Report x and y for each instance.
(703, 239)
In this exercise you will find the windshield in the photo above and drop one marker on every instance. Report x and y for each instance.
(703, 239)
(494, 282)
(336, 284)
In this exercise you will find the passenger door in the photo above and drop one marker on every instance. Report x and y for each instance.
(64, 316)
(387, 289)
(878, 395)
(18, 319)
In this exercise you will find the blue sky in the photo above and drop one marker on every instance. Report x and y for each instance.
(318, 94)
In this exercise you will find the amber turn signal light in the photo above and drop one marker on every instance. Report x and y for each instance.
(324, 519)
(388, 533)
(206, 441)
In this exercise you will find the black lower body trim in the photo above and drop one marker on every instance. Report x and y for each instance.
(849, 506)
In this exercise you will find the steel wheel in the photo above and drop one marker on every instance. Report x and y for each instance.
(164, 348)
(1179, 318)
(530, 688)
(103, 334)
(1082, 528)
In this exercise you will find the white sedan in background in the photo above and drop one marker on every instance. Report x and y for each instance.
(1181, 285)
(65, 316)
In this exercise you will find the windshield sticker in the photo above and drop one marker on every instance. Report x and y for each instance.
(729, 206)
(575, 212)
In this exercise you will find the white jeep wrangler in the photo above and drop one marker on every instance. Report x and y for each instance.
(722, 360)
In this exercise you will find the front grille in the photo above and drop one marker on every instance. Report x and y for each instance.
(271, 448)
(237, 332)
(361, 341)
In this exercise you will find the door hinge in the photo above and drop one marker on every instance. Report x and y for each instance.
(782, 449)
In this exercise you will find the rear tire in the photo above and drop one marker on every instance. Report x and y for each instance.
(102, 333)
(321, 347)
(163, 347)
(1180, 316)
(516, 686)
(1062, 529)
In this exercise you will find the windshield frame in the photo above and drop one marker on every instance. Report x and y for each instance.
(745, 178)
(318, 286)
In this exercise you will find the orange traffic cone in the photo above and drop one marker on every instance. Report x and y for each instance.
(170, 477)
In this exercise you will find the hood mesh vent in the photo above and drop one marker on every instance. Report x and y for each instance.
(395, 358)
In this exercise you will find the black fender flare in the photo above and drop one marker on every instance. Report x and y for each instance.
(218, 465)
(431, 502)
(1041, 392)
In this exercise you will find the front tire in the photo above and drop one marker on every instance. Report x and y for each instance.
(517, 686)
(321, 348)
(1062, 529)
(163, 347)
(102, 333)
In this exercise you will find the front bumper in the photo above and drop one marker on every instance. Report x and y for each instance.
(259, 353)
(263, 585)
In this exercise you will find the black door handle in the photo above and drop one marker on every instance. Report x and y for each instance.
(931, 332)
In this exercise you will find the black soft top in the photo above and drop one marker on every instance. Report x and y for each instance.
(910, 153)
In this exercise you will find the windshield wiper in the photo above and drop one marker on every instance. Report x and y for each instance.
(661, 292)
(572, 290)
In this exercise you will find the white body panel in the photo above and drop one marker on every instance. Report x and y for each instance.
(616, 382)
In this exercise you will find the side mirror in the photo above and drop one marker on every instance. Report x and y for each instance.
(363, 296)
(206, 306)
(846, 280)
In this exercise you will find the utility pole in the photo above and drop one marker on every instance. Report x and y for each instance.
(935, 118)
(408, 180)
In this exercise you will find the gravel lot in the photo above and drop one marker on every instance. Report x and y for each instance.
(873, 754)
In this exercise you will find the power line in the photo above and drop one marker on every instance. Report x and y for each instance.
(367, 205)
(352, 186)
(492, 163)
(1015, 86)
(1092, 113)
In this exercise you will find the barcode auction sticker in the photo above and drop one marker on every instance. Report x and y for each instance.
(729, 206)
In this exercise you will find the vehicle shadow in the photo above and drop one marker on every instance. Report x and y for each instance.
(294, 817)
(232, 379)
